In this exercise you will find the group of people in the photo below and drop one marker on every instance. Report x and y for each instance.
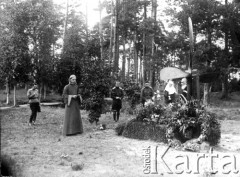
(147, 93)
(170, 92)
(72, 100)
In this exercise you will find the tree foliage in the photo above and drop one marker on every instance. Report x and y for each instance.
(31, 32)
(15, 60)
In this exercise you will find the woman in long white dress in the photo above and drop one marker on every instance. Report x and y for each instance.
(170, 92)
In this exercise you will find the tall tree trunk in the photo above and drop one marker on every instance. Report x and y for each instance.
(135, 58)
(65, 24)
(206, 96)
(87, 20)
(124, 60)
(141, 70)
(14, 95)
(124, 43)
(198, 87)
(128, 59)
(7, 91)
(40, 91)
(116, 37)
(87, 34)
(225, 86)
(100, 32)
(44, 91)
(144, 46)
(152, 71)
(111, 36)
(225, 71)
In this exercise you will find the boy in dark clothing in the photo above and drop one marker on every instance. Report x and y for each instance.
(33, 95)
(117, 96)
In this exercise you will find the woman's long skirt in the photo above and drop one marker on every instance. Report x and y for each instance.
(73, 121)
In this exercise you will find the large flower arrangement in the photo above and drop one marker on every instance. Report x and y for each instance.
(184, 122)
(151, 113)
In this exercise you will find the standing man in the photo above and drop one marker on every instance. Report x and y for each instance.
(184, 93)
(72, 99)
(117, 96)
(146, 93)
(33, 97)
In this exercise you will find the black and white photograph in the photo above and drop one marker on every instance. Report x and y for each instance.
(120, 88)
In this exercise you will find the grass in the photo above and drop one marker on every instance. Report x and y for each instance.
(225, 109)
(39, 148)
(43, 143)
(21, 97)
(232, 102)
(144, 131)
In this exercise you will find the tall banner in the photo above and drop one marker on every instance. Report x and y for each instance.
(191, 42)
(190, 33)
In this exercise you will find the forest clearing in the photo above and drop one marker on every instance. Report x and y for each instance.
(42, 150)
(120, 88)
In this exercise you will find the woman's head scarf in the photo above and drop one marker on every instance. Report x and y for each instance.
(170, 87)
(72, 77)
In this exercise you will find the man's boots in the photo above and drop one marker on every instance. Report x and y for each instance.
(114, 116)
(118, 114)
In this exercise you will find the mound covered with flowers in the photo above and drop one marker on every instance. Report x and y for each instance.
(186, 126)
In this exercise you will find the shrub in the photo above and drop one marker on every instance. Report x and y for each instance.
(190, 122)
(94, 106)
(126, 107)
(176, 121)
(211, 128)
(144, 130)
(119, 129)
(132, 91)
(234, 85)
(150, 113)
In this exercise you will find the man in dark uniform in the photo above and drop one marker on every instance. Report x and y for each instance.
(117, 96)
(146, 93)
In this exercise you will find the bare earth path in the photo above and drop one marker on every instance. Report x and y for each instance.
(38, 150)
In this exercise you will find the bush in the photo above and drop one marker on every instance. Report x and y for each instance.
(132, 91)
(210, 127)
(94, 106)
(119, 129)
(190, 122)
(176, 121)
(234, 85)
(126, 107)
(150, 113)
(144, 131)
